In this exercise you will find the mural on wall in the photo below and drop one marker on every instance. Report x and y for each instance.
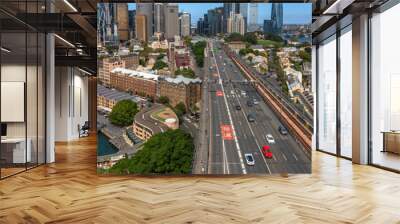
(204, 88)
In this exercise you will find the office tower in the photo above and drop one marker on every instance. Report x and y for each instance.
(253, 18)
(268, 27)
(184, 24)
(171, 20)
(206, 25)
(141, 27)
(235, 23)
(244, 11)
(200, 26)
(122, 21)
(146, 9)
(215, 20)
(159, 24)
(107, 32)
(277, 18)
(228, 8)
(131, 16)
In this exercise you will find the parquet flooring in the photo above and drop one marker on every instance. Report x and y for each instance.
(69, 191)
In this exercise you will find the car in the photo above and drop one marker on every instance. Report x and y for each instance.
(251, 118)
(266, 151)
(238, 107)
(249, 103)
(249, 159)
(270, 139)
(243, 93)
(282, 130)
(255, 101)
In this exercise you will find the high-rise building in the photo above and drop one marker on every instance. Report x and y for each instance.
(171, 20)
(244, 11)
(107, 32)
(236, 23)
(277, 18)
(122, 21)
(146, 9)
(228, 8)
(141, 27)
(268, 27)
(253, 14)
(184, 24)
(159, 24)
(131, 16)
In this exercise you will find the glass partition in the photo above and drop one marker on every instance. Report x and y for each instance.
(22, 77)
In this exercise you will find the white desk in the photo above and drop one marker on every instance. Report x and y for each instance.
(19, 154)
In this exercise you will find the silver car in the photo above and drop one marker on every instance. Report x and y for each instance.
(249, 159)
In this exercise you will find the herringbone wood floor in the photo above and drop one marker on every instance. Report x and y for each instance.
(69, 191)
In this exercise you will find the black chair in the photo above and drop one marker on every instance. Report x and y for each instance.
(84, 130)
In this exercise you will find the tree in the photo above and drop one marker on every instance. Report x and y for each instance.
(123, 113)
(170, 152)
(159, 65)
(235, 37)
(306, 56)
(180, 109)
(163, 100)
(186, 72)
(198, 51)
(250, 37)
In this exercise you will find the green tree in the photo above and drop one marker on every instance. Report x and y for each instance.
(250, 38)
(186, 72)
(198, 51)
(180, 109)
(163, 99)
(123, 113)
(170, 152)
(306, 56)
(159, 65)
(234, 37)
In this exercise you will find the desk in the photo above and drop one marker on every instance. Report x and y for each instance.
(13, 150)
(391, 141)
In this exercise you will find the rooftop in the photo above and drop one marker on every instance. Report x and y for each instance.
(115, 94)
(131, 73)
(181, 79)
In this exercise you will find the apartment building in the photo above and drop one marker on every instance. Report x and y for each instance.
(181, 89)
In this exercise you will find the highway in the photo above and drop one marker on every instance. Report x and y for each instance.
(231, 135)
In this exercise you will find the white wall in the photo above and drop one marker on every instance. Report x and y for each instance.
(71, 102)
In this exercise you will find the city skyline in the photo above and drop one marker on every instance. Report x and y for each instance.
(293, 13)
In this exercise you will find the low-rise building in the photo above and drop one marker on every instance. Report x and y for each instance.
(108, 97)
(139, 83)
(181, 89)
(236, 45)
(156, 119)
(106, 65)
(131, 60)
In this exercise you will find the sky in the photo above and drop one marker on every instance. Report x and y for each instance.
(293, 13)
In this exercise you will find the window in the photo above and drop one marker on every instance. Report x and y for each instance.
(327, 95)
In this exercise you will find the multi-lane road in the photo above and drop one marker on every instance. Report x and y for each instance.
(231, 135)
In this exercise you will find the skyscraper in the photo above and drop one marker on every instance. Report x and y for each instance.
(141, 27)
(184, 24)
(171, 20)
(228, 8)
(236, 23)
(131, 16)
(122, 21)
(277, 18)
(253, 13)
(107, 32)
(159, 17)
(146, 9)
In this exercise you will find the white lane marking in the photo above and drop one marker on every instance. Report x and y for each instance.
(230, 117)
(284, 156)
(295, 157)
(225, 158)
(251, 130)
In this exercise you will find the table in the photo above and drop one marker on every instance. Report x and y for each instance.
(13, 150)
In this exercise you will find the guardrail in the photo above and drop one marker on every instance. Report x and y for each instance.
(292, 122)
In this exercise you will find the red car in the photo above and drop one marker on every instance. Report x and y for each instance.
(266, 151)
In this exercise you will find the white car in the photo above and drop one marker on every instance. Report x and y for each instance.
(249, 159)
(270, 139)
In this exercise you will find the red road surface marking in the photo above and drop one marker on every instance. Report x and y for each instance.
(226, 132)
(220, 93)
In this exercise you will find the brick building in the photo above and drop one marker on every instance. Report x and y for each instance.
(181, 89)
(139, 83)
(106, 65)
